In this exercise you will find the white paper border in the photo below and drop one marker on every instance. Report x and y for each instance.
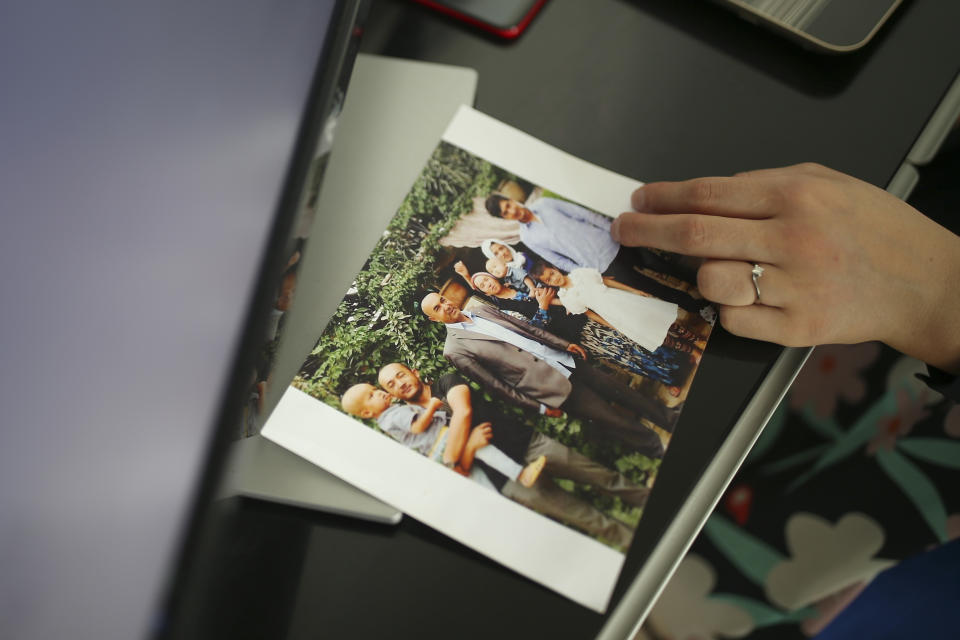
(554, 555)
(521, 154)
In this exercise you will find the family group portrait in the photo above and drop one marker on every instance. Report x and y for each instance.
(498, 330)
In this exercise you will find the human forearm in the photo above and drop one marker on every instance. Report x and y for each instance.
(614, 284)
(479, 438)
(593, 315)
(461, 422)
(457, 436)
(422, 422)
(465, 463)
(464, 273)
(927, 324)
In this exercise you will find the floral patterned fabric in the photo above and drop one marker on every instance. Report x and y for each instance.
(857, 471)
(665, 365)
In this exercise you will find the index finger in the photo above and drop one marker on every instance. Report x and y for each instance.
(737, 197)
(702, 236)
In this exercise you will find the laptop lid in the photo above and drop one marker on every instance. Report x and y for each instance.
(152, 159)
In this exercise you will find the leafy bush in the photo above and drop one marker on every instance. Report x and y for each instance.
(379, 321)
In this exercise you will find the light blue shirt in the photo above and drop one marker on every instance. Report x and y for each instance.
(562, 361)
(397, 420)
(514, 278)
(569, 235)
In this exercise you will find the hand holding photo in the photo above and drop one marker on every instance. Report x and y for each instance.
(498, 329)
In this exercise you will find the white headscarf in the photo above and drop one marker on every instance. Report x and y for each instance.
(518, 258)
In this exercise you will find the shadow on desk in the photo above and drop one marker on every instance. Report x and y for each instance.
(283, 572)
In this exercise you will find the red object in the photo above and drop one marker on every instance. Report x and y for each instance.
(738, 502)
(508, 33)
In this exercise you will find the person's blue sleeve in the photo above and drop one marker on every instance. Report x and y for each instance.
(918, 598)
(575, 211)
(540, 319)
(558, 260)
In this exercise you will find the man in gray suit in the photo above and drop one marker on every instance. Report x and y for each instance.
(537, 370)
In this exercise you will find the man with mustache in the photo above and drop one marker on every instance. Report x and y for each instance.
(461, 404)
(536, 370)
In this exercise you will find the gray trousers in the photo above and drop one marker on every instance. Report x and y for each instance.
(612, 410)
(547, 498)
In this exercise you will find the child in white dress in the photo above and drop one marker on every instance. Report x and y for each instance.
(640, 317)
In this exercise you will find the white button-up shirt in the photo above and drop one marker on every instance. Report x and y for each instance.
(562, 361)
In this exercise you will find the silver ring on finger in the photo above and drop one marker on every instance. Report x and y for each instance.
(755, 273)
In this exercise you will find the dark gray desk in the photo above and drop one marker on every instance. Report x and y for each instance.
(656, 89)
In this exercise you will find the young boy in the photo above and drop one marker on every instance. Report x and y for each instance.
(516, 277)
(425, 430)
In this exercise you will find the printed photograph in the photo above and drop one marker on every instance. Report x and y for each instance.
(498, 330)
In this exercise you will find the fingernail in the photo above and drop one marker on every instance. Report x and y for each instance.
(615, 230)
(638, 199)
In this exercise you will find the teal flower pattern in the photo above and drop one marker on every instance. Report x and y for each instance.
(865, 459)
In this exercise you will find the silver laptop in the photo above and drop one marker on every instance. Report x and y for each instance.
(829, 26)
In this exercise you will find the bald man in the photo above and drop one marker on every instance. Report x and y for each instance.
(425, 430)
(463, 405)
(536, 370)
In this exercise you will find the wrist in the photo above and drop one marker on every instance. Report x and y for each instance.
(930, 330)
